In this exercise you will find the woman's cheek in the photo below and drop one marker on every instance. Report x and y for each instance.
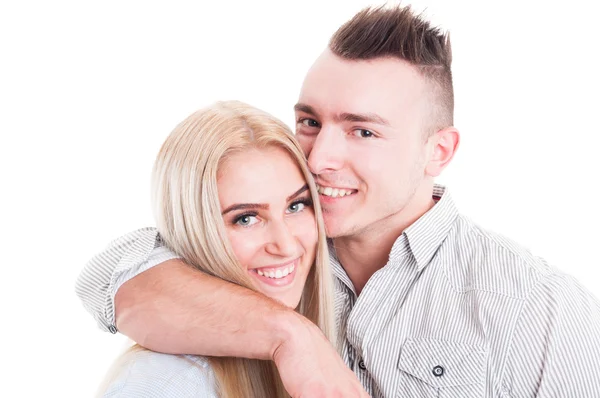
(308, 229)
(244, 245)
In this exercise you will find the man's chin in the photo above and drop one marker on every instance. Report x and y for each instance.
(338, 229)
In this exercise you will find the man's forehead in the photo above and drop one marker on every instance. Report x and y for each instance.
(328, 67)
(335, 86)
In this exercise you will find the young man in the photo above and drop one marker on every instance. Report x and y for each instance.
(427, 302)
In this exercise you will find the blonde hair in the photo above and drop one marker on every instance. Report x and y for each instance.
(188, 216)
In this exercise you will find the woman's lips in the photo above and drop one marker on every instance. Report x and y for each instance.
(281, 275)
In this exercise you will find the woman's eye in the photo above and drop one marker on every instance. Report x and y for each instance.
(296, 207)
(246, 220)
(309, 122)
(362, 133)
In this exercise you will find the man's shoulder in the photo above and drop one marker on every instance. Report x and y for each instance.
(489, 261)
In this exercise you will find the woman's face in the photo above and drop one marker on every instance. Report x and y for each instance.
(268, 214)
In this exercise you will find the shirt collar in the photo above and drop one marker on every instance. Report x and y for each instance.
(337, 268)
(427, 234)
(422, 238)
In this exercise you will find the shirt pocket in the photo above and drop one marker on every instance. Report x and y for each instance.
(442, 369)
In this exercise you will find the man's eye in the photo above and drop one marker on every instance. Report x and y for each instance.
(309, 122)
(362, 133)
(245, 220)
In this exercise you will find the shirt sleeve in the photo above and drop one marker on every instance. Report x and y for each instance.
(555, 350)
(123, 259)
(147, 374)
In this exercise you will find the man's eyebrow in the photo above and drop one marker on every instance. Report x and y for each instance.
(346, 116)
(362, 118)
(300, 107)
(298, 192)
(245, 206)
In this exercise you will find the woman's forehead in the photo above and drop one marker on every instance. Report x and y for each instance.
(258, 176)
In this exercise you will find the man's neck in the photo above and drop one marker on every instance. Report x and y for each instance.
(364, 253)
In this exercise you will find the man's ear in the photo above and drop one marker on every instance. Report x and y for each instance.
(442, 147)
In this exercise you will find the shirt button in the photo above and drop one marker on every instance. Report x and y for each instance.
(361, 365)
(112, 329)
(438, 371)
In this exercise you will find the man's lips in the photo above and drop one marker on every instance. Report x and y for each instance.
(335, 192)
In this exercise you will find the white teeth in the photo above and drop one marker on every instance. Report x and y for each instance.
(278, 274)
(333, 192)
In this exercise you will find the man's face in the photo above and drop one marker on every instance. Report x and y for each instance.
(360, 124)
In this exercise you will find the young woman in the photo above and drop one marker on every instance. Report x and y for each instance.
(233, 196)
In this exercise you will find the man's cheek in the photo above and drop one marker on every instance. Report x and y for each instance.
(306, 144)
(372, 164)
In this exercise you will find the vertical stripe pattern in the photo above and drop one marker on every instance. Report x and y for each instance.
(458, 311)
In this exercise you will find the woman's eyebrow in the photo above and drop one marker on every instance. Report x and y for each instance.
(263, 206)
(245, 206)
(298, 192)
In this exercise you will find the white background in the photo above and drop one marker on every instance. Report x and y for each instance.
(89, 90)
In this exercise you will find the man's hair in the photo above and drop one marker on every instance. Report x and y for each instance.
(399, 33)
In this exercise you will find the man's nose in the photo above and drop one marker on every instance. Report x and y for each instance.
(327, 152)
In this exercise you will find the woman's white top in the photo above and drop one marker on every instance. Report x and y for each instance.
(149, 374)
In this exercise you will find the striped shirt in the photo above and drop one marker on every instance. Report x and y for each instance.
(456, 312)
